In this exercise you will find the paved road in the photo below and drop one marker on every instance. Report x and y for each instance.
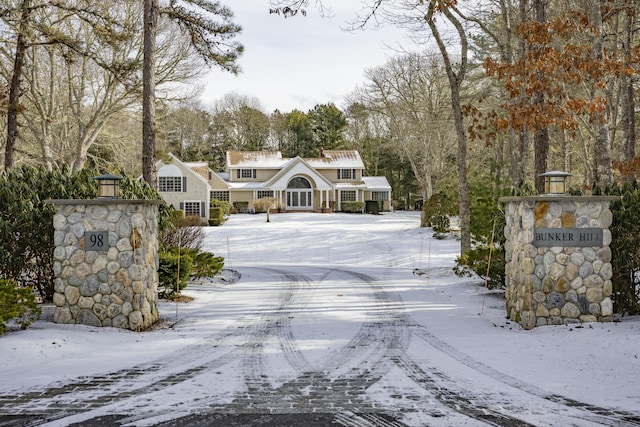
(362, 382)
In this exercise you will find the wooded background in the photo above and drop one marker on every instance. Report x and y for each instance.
(504, 90)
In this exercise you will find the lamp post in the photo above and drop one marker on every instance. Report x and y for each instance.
(555, 182)
(108, 186)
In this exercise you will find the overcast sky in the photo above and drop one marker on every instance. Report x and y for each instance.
(297, 63)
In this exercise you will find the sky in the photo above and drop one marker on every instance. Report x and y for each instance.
(300, 62)
(335, 294)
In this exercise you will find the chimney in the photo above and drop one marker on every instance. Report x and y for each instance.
(321, 152)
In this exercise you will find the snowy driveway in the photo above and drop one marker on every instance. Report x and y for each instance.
(328, 323)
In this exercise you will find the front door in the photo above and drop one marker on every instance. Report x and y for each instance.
(299, 194)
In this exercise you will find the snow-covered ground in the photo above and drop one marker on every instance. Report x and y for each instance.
(444, 352)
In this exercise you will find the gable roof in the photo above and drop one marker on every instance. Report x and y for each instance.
(183, 166)
(255, 159)
(347, 159)
(297, 166)
(332, 159)
(376, 183)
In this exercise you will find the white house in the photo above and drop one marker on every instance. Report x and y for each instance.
(310, 184)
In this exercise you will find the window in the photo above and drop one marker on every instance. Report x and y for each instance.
(192, 208)
(348, 196)
(246, 173)
(261, 194)
(299, 182)
(220, 195)
(379, 195)
(346, 174)
(170, 184)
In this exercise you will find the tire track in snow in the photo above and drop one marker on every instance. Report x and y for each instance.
(395, 352)
(92, 392)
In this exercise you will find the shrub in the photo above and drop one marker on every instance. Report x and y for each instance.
(440, 224)
(191, 263)
(352, 207)
(176, 215)
(185, 232)
(205, 264)
(475, 262)
(216, 216)
(241, 207)
(625, 247)
(17, 304)
(261, 205)
(26, 222)
(487, 225)
(226, 206)
(174, 271)
(436, 207)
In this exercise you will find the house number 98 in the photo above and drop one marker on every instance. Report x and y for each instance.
(96, 240)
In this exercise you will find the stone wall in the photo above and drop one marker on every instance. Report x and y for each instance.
(116, 285)
(557, 284)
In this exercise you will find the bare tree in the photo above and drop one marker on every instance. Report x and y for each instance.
(27, 20)
(410, 92)
(69, 98)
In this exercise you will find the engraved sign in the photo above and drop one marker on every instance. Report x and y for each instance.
(96, 240)
(565, 237)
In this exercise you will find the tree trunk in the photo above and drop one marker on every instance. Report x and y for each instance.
(541, 137)
(541, 151)
(14, 88)
(455, 81)
(601, 144)
(628, 99)
(148, 93)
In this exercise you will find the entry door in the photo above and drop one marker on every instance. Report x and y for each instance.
(299, 199)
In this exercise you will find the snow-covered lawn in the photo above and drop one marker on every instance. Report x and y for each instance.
(339, 272)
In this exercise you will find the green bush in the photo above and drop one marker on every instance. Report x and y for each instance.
(216, 216)
(440, 224)
(205, 264)
(192, 263)
(436, 207)
(352, 207)
(625, 247)
(487, 225)
(475, 262)
(174, 271)
(226, 206)
(17, 304)
(176, 215)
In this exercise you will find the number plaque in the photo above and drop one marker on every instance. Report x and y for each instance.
(96, 240)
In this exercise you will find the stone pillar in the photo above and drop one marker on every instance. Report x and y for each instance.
(557, 259)
(106, 262)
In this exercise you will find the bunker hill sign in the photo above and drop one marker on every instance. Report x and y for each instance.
(567, 237)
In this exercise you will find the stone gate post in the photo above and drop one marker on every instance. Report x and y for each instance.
(106, 262)
(558, 261)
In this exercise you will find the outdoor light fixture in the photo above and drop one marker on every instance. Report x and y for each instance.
(108, 186)
(555, 182)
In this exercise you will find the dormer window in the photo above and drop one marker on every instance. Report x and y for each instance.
(246, 173)
(346, 174)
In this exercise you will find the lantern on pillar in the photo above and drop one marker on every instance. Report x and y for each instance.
(555, 182)
(108, 186)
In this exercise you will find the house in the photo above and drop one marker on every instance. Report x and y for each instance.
(185, 186)
(310, 184)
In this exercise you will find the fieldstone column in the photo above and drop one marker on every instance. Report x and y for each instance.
(558, 262)
(106, 262)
